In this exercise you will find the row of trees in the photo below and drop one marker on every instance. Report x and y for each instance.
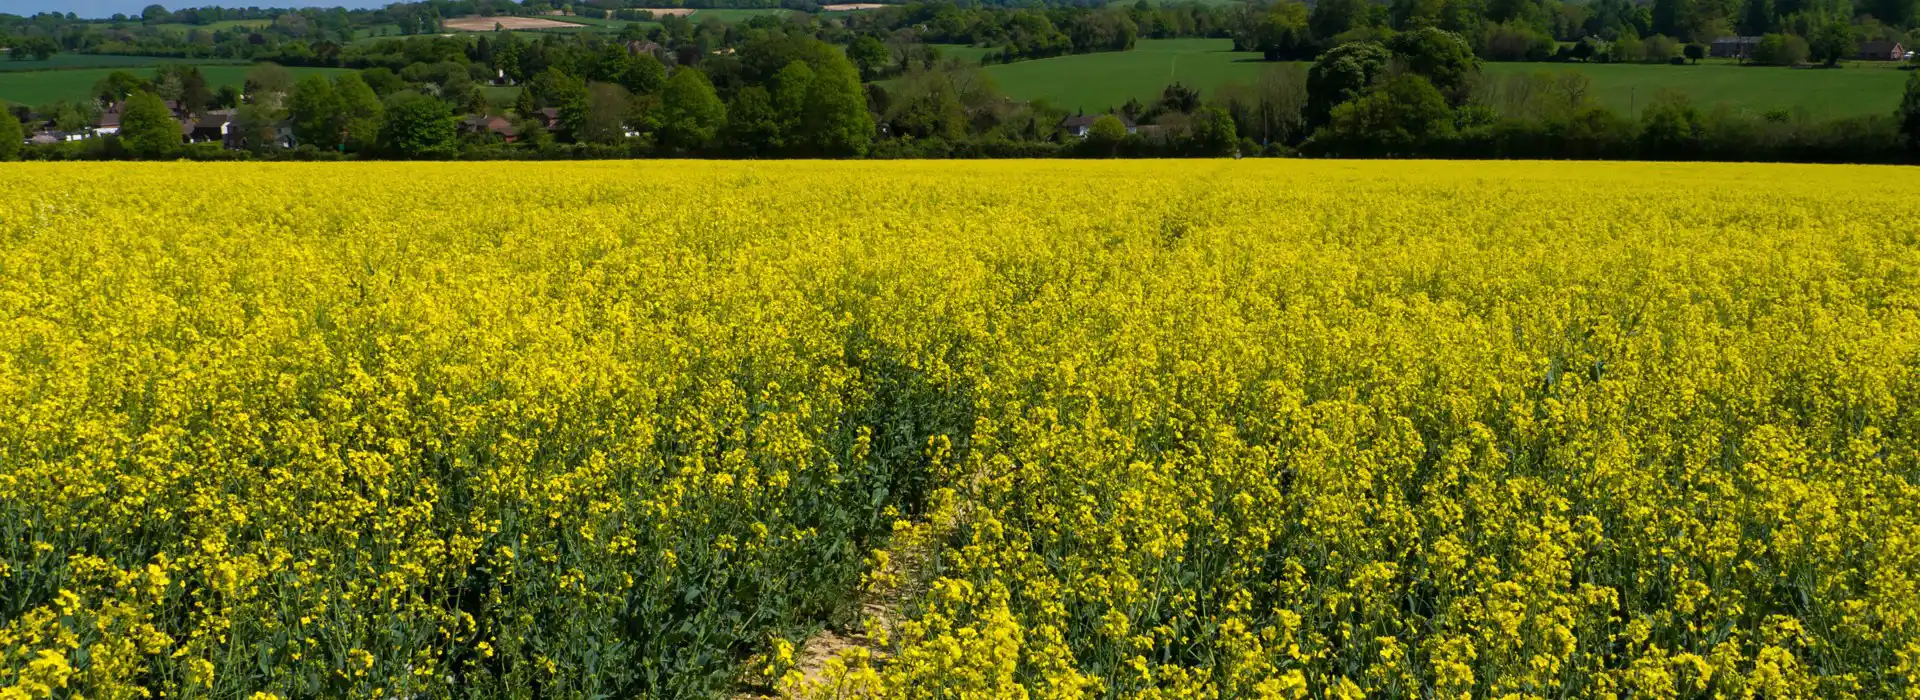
(784, 93)
(1419, 96)
(1606, 31)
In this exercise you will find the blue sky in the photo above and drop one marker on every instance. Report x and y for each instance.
(106, 8)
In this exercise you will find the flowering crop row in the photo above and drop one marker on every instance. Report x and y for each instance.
(1205, 429)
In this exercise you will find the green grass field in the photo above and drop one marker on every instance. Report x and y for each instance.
(45, 87)
(68, 61)
(963, 52)
(1098, 81)
(501, 96)
(697, 16)
(615, 24)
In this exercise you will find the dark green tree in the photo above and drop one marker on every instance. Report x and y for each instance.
(753, 125)
(1104, 136)
(11, 135)
(1282, 34)
(1780, 50)
(606, 117)
(1213, 134)
(643, 74)
(1756, 17)
(1397, 117)
(1670, 129)
(360, 113)
(1440, 56)
(195, 95)
(314, 110)
(789, 91)
(118, 86)
(1831, 42)
(691, 113)
(523, 104)
(1333, 17)
(836, 122)
(417, 126)
(870, 56)
(147, 128)
(1908, 112)
(1342, 75)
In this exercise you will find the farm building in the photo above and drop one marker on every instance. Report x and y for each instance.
(212, 126)
(108, 123)
(1881, 51)
(497, 125)
(1733, 47)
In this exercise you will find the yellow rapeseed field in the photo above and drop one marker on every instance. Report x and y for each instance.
(1207, 429)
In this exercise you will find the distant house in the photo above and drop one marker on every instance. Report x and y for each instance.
(1078, 125)
(1740, 47)
(108, 123)
(212, 126)
(497, 125)
(549, 118)
(1881, 51)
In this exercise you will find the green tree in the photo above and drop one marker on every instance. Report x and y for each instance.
(1695, 51)
(147, 128)
(118, 86)
(691, 113)
(1213, 133)
(1440, 56)
(870, 56)
(1756, 17)
(1282, 34)
(11, 135)
(1333, 17)
(72, 118)
(643, 74)
(314, 110)
(1104, 135)
(566, 93)
(195, 94)
(1341, 75)
(268, 84)
(752, 123)
(227, 97)
(1780, 50)
(836, 122)
(417, 126)
(1908, 113)
(925, 103)
(523, 104)
(1831, 42)
(255, 127)
(360, 113)
(1670, 128)
(789, 92)
(383, 81)
(1395, 118)
(606, 116)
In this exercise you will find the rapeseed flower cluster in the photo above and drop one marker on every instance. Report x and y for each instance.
(1193, 430)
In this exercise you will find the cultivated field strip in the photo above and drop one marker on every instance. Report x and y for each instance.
(1212, 429)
